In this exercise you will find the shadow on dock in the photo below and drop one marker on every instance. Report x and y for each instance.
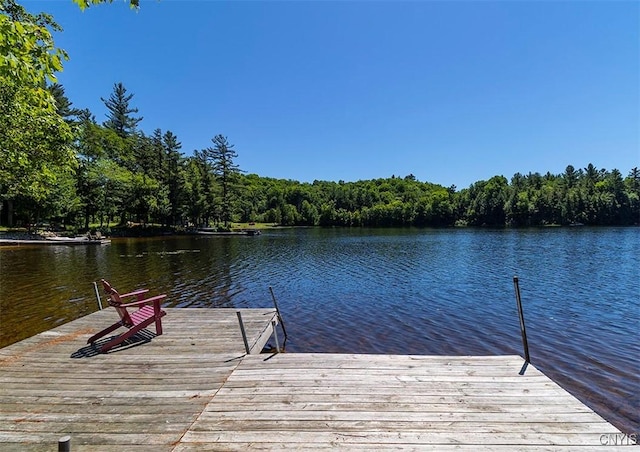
(140, 338)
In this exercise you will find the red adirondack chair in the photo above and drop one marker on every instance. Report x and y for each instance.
(148, 312)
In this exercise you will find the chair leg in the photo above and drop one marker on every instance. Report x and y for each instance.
(158, 325)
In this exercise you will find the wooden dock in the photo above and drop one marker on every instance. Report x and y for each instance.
(194, 388)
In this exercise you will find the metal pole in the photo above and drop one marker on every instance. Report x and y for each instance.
(95, 286)
(523, 329)
(275, 335)
(64, 444)
(244, 333)
(275, 303)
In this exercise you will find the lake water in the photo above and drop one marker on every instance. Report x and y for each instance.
(442, 292)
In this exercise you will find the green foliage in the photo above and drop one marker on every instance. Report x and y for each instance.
(531, 200)
(28, 55)
(35, 141)
(83, 4)
(35, 146)
(62, 104)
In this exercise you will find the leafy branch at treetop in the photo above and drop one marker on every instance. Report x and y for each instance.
(28, 55)
(83, 4)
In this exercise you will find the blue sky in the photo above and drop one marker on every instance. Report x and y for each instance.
(452, 92)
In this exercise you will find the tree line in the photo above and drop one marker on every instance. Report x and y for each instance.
(121, 175)
(584, 196)
(58, 163)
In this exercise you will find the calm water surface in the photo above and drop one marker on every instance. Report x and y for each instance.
(446, 292)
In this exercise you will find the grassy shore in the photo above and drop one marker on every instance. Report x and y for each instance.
(132, 230)
(254, 226)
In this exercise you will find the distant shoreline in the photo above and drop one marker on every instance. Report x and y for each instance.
(20, 236)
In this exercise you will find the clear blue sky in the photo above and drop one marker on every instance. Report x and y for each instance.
(452, 92)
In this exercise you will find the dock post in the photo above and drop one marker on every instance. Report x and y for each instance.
(523, 330)
(275, 303)
(244, 333)
(64, 444)
(95, 287)
(275, 335)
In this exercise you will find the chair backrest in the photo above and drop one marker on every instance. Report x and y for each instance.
(115, 301)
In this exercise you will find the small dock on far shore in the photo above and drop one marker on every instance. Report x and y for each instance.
(195, 388)
(55, 241)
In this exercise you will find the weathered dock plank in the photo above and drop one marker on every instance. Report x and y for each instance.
(337, 445)
(380, 402)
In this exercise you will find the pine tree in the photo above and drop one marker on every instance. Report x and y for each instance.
(119, 117)
(173, 176)
(63, 104)
(225, 170)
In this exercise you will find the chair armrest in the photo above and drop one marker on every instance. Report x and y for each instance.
(145, 301)
(136, 293)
